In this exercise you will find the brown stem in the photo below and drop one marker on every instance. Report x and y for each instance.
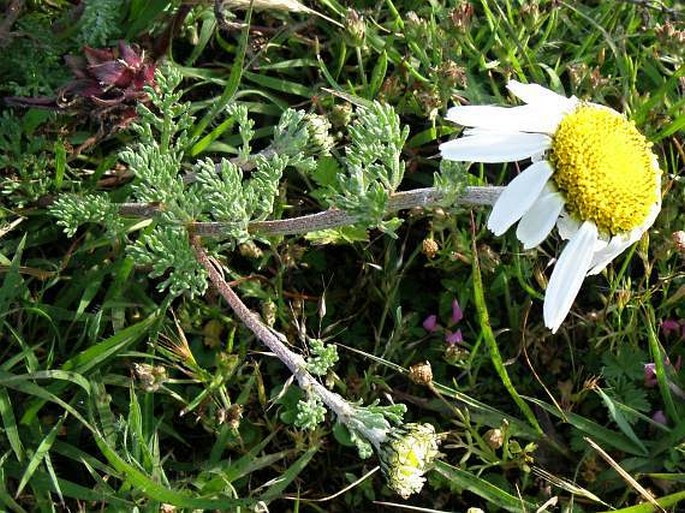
(272, 339)
(11, 14)
(334, 217)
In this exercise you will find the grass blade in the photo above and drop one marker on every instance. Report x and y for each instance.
(488, 491)
(9, 423)
(489, 336)
(39, 455)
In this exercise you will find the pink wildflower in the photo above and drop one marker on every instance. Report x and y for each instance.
(650, 375)
(454, 338)
(669, 326)
(457, 314)
(659, 417)
(431, 323)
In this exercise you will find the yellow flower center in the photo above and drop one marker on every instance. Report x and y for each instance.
(605, 168)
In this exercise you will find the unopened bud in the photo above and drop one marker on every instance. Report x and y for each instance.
(250, 250)
(679, 241)
(355, 28)
(622, 298)
(269, 313)
(319, 132)
(421, 373)
(429, 247)
(494, 438)
(150, 377)
(341, 115)
(230, 416)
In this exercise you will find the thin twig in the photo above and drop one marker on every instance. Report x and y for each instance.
(272, 339)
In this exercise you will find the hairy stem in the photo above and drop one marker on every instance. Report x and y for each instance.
(333, 217)
(272, 339)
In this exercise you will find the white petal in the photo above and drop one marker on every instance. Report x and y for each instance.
(617, 245)
(534, 93)
(567, 225)
(526, 118)
(518, 196)
(493, 147)
(537, 223)
(568, 275)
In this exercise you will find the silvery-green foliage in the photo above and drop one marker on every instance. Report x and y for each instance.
(299, 136)
(223, 192)
(323, 357)
(232, 199)
(373, 167)
(100, 22)
(262, 187)
(73, 211)
(166, 249)
(310, 412)
(450, 181)
(157, 171)
(221, 188)
(374, 419)
(171, 127)
(245, 128)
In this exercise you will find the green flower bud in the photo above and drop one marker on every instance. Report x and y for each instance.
(406, 455)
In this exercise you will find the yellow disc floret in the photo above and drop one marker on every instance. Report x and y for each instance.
(605, 168)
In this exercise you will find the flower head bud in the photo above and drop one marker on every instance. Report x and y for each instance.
(341, 115)
(355, 28)
(679, 241)
(455, 353)
(269, 313)
(230, 416)
(212, 333)
(623, 298)
(421, 373)
(494, 438)
(250, 250)
(319, 132)
(151, 377)
(429, 247)
(461, 16)
(407, 454)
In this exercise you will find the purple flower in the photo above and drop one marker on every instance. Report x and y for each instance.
(431, 323)
(454, 338)
(659, 417)
(650, 375)
(669, 326)
(457, 314)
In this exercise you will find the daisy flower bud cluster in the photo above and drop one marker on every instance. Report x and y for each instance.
(592, 175)
(406, 450)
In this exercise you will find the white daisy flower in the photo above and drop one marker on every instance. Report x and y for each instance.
(593, 175)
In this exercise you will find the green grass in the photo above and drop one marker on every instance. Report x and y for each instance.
(117, 395)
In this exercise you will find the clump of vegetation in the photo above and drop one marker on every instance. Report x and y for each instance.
(265, 268)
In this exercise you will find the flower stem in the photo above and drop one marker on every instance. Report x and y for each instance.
(272, 339)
